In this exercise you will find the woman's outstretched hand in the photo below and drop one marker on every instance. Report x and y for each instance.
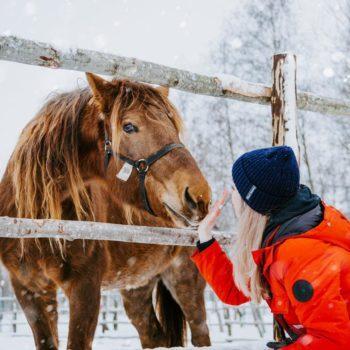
(207, 224)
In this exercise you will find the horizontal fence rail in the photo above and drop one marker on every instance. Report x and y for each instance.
(20, 50)
(72, 230)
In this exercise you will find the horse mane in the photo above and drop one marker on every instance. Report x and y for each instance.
(45, 162)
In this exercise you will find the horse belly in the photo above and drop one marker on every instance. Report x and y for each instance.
(137, 265)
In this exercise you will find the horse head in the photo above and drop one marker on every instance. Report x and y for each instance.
(146, 165)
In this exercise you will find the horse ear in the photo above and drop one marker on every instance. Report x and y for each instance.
(101, 90)
(164, 90)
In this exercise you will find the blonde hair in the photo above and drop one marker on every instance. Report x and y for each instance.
(251, 226)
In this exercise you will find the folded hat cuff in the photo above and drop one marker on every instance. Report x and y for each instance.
(254, 197)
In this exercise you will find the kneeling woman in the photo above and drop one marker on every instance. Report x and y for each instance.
(292, 250)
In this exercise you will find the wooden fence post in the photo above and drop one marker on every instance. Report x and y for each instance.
(284, 102)
(284, 118)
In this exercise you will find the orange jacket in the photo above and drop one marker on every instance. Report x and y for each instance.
(309, 278)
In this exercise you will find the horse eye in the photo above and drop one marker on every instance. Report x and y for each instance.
(130, 128)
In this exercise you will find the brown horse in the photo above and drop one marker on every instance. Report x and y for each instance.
(65, 166)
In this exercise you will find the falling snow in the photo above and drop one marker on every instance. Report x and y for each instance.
(323, 67)
(328, 72)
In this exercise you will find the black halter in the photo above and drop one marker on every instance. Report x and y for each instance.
(141, 165)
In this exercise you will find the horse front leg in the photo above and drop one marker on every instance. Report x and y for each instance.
(187, 286)
(84, 294)
(139, 308)
(40, 309)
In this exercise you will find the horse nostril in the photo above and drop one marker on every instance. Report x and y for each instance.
(191, 203)
(203, 207)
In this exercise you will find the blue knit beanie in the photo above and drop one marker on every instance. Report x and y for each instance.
(267, 178)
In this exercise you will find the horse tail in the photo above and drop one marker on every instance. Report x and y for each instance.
(171, 317)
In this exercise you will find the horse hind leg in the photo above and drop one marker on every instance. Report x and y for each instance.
(40, 309)
(139, 308)
(187, 287)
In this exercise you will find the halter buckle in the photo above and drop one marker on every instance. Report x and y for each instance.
(141, 166)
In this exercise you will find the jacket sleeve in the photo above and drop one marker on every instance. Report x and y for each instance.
(217, 269)
(313, 281)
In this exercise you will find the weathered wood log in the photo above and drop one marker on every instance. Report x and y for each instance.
(42, 54)
(284, 115)
(45, 55)
(284, 102)
(72, 230)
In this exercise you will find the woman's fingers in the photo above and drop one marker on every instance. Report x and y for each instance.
(219, 204)
(215, 211)
(209, 221)
(224, 197)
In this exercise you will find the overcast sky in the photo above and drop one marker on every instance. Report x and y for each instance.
(177, 33)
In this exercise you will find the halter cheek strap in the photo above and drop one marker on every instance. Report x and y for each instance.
(142, 165)
(108, 150)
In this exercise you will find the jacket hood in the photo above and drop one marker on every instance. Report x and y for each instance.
(303, 202)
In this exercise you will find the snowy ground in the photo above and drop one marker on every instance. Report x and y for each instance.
(230, 328)
(126, 338)
(105, 343)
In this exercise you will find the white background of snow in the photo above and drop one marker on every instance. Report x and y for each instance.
(126, 337)
(26, 343)
(111, 342)
(178, 33)
(175, 33)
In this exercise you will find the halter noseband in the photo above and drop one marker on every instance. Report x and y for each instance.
(142, 165)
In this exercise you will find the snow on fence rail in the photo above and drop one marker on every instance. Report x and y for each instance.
(71, 230)
(46, 55)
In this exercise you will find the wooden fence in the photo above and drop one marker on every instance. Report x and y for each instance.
(283, 97)
(45, 55)
(71, 230)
